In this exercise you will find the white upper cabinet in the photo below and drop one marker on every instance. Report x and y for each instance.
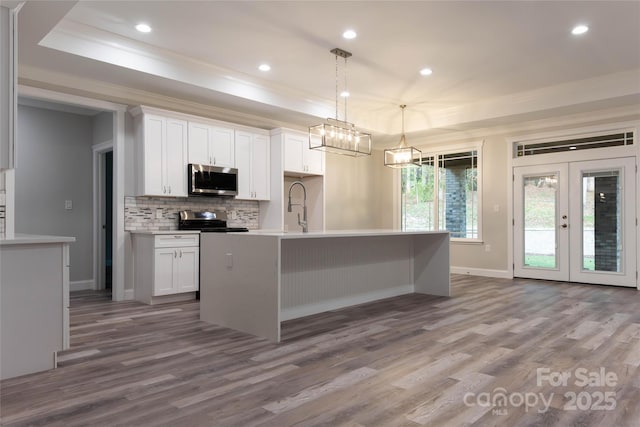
(162, 155)
(252, 162)
(299, 158)
(211, 145)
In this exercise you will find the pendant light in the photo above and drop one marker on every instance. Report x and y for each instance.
(339, 136)
(402, 156)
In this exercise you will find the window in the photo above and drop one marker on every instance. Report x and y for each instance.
(443, 194)
(585, 142)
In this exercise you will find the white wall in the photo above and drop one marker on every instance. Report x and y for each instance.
(54, 164)
(359, 192)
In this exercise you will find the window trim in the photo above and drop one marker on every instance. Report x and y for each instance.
(436, 151)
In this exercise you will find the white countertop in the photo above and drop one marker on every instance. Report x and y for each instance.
(33, 239)
(336, 233)
(154, 232)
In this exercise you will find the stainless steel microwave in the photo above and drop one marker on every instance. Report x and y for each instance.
(205, 180)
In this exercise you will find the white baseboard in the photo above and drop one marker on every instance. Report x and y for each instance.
(128, 294)
(82, 285)
(500, 274)
(320, 307)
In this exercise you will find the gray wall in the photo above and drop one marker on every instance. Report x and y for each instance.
(54, 164)
(102, 127)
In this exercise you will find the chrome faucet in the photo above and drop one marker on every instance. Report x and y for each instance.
(302, 223)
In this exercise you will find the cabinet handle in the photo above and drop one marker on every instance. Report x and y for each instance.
(169, 189)
(180, 253)
(214, 160)
(177, 236)
(175, 253)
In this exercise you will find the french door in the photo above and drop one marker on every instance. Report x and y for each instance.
(576, 222)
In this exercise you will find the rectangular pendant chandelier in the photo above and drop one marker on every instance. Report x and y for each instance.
(402, 156)
(338, 136)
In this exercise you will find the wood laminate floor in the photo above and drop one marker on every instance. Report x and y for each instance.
(499, 352)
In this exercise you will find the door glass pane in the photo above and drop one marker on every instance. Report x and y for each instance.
(601, 221)
(540, 239)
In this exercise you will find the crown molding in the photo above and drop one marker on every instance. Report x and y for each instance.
(89, 42)
(57, 82)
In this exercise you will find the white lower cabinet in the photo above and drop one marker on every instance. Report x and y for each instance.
(166, 265)
(176, 270)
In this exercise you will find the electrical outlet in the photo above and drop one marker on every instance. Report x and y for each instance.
(159, 213)
(487, 248)
(229, 259)
(68, 205)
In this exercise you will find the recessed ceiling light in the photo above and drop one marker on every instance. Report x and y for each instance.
(426, 71)
(264, 67)
(143, 28)
(344, 94)
(579, 29)
(349, 34)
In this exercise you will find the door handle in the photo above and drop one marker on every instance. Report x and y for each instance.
(564, 226)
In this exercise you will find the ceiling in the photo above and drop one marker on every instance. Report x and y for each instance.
(493, 62)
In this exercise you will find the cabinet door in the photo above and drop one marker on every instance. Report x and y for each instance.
(243, 164)
(154, 134)
(187, 278)
(176, 158)
(260, 161)
(313, 159)
(222, 147)
(198, 144)
(293, 146)
(164, 271)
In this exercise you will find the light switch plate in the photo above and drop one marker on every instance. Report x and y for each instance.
(68, 205)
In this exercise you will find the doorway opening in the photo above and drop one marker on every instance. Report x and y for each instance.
(108, 219)
(103, 219)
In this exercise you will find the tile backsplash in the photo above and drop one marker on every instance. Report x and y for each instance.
(149, 213)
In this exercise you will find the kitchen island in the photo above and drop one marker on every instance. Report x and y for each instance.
(253, 281)
(34, 302)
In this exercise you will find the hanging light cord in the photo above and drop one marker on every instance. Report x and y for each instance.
(345, 89)
(336, 86)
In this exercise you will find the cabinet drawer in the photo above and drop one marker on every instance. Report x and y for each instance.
(176, 240)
